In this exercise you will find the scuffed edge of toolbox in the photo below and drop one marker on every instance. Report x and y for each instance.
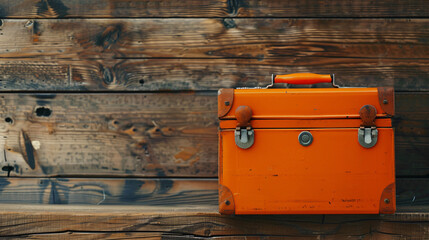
(386, 98)
(387, 200)
(226, 201)
(224, 101)
(226, 198)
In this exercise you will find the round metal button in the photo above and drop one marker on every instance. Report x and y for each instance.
(305, 138)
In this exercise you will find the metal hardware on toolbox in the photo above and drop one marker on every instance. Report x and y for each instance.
(367, 137)
(316, 77)
(244, 134)
(305, 138)
(244, 137)
(309, 78)
(368, 133)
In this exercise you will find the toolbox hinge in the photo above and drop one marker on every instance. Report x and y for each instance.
(244, 137)
(368, 133)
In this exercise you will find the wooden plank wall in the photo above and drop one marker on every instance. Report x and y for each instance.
(114, 102)
(135, 222)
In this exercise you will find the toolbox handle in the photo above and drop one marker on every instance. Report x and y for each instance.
(304, 78)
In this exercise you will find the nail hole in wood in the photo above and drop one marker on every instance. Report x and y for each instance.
(7, 169)
(8, 120)
(29, 23)
(43, 112)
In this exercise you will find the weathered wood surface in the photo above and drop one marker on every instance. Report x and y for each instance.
(211, 8)
(412, 134)
(101, 222)
(108, 191)
(410, 193)
(207, 54)
(103, 134)
(202, 74)
(384, 39)
(164, 134)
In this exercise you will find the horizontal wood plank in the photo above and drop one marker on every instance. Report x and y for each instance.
(109, 191)
(411, 193)
(412, 134)
(103, 134)
(112, 222)
(165, 134)
(210, 8)
(200, 74)
(207, 54)
(262, 38)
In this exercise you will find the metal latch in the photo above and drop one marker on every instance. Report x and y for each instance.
(244, 137)
(367, 136)
(244, 134)
(368, 133)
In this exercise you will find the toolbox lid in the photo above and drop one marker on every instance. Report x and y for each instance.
(306, 104)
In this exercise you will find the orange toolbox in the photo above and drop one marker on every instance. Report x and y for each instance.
(306, 151)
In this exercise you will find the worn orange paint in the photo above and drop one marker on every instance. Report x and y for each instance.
(318, 103)
(333, 175)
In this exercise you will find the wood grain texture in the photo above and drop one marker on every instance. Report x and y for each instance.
(124, 223)
(107, 191)
(210, 8)
(412, 134)
(260, 38)
(207, 54)
(198, 74)
(164, 134)
(411, 193)
(103, 134)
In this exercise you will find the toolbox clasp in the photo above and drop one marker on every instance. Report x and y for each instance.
(367, 136)
(244, 134)
(244, 137)
(368, 133)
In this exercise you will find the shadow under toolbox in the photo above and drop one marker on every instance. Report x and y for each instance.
(306, 151)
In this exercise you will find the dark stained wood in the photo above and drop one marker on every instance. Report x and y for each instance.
(201, 74)
(412, 134)
(211, 8)
(107, 191)
(123, 222)
(164, 134)
(207, 54)
(411, 193)
(381, 39)
(158, 235)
